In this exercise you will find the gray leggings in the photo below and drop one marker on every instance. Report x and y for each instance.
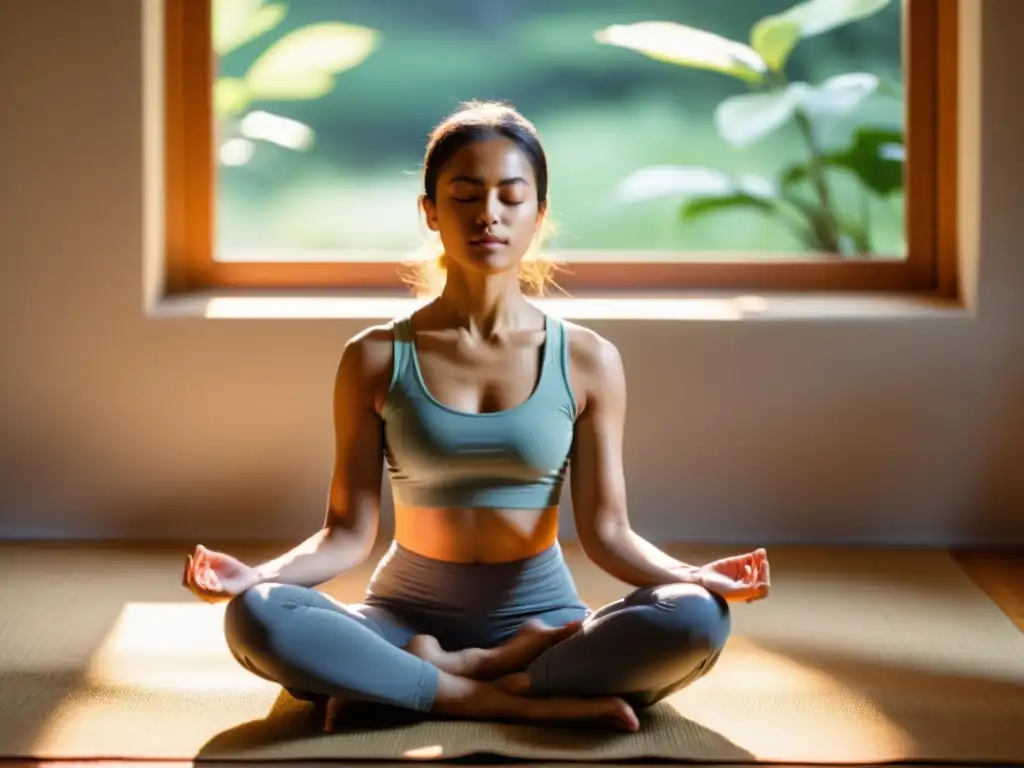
(643, 647)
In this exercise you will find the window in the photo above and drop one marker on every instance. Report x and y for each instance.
(748, 145)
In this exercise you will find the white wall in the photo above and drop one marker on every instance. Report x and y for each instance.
(117, 425)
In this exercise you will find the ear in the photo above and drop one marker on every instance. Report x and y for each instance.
(542, 210)
(429, 212)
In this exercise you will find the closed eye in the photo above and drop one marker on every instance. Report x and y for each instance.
(474, 199)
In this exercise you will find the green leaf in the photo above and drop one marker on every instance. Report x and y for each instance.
(818, 16)
(685, 181)
(302, 64)
(700, 206)
(747, 118)
(875, 157)
(308, 88)
(687, 47)
(230, 96)
(838, 96)
(237, 22)
(775, 37)
(744, 119)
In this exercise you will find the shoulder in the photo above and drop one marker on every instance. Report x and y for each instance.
(372, 346)
(595, 363)
(591, 353)
(364, 368)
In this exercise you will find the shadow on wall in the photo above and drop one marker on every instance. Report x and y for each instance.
(49, 492)
(1000, 482)
(803, 460)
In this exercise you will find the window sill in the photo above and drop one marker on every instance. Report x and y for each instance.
(677, 307)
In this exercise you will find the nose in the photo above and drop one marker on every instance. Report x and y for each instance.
(489, 211)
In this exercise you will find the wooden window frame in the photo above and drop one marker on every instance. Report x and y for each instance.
(930, 197)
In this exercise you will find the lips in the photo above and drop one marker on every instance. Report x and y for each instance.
(488, 240)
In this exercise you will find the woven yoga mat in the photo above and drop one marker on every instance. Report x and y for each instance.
(856, 657)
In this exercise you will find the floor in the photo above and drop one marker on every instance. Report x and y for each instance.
(1000, 573)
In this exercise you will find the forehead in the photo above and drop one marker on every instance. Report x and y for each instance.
(490, 160)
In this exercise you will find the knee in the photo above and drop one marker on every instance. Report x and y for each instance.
(257, 601)
(249, 614)
(690, 610)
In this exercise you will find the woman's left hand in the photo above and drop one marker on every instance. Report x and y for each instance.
(738, 578)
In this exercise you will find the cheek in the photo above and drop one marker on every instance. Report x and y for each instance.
(522, 214)
(524, 221)
(448, 219)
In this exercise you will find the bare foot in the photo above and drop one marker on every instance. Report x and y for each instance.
(460, 663)
(533, 638)
(517, 683)
(334, 705)
(462, 697)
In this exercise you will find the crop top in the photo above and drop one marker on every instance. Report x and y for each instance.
(437, 456)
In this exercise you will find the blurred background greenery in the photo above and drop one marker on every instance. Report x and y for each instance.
(324, 149)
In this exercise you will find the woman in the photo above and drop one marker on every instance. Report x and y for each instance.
(477, 403)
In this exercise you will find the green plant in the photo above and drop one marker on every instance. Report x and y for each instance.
(874, 157)
(300, 66)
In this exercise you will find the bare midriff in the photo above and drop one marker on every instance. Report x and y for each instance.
(476, 535)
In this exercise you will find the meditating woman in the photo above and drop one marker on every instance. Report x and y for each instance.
(478, 403)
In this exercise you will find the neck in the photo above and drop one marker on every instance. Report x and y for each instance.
(485, 304)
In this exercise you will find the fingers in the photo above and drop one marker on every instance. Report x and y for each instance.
(195, 578)
(188, 578)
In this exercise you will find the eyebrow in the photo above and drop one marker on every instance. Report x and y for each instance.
(480, 182)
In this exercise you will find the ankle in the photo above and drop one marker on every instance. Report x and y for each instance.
(474, 663)
(517, 683)
(457, 695)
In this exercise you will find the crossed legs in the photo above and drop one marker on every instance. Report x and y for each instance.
(638, 649)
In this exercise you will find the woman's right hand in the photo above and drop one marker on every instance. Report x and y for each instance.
(214, 576)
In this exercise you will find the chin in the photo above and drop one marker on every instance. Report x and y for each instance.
(491, 263)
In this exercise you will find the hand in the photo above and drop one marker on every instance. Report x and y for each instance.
(739, 578)
(214, 577)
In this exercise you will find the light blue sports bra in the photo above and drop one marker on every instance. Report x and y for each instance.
(442, 457)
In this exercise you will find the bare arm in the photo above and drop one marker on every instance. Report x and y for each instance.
(353, 504)
(597, 478)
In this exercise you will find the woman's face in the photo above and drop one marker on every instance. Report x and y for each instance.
(486, 208)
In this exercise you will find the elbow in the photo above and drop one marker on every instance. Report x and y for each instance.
(356, 536)
(600, 541)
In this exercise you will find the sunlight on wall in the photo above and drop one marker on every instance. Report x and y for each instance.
(805, 306)
(572, 309)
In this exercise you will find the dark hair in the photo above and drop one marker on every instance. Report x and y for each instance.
(477, 121)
